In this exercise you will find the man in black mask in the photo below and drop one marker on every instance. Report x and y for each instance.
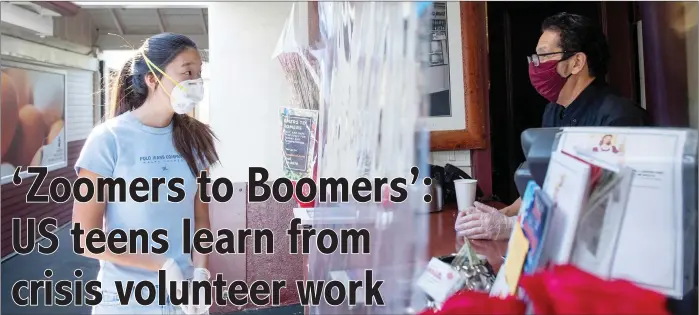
(568, 69)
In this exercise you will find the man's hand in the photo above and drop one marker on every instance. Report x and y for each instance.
(493, 250)
(513, 209)
(483, 222)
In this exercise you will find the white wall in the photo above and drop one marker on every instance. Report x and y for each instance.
(17, 48)
(247, 86)
(459, 158)
(81, 105)
(202, 111)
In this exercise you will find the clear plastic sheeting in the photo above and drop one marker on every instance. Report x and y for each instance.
(299, 66)
(370, 102)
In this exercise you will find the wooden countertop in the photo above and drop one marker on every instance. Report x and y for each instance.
(443, 240)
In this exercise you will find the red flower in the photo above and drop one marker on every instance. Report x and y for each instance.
(471, 302)
(386, 197)
(569, 290)
(306, 191)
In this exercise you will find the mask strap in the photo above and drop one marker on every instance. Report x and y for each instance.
(151, 65)
(566, 59)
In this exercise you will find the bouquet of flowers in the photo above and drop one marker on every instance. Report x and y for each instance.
(562, 290)
(568, 290)
(473, 302)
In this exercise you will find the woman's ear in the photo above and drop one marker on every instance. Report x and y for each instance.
(151, 81)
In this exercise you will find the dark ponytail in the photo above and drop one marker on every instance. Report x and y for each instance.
(125, 95)
(193, 139)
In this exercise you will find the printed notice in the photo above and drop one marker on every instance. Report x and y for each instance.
(298, 138)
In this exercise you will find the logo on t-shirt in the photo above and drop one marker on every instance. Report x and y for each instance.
(162, 158)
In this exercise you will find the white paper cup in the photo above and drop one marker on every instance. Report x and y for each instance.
(465, 193)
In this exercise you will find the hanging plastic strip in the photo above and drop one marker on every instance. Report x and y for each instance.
(367, 65)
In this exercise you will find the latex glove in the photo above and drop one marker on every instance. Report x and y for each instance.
(174, 273)
(494, 251)
(200, 274)
(483, 222)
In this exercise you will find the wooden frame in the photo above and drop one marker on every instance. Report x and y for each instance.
(476, 85)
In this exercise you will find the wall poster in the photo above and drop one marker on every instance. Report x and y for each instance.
(33, 104)
(299, 130)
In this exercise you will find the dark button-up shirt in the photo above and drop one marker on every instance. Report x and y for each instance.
(597, 105)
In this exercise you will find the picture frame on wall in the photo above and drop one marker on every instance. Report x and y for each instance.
(34, 118)
(463, 126)
(444, 79)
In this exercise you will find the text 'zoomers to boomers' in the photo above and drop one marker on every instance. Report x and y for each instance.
(106, 189)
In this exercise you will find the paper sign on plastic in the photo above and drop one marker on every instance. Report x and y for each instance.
(440, 280)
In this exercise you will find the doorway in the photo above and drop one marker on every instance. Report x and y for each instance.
(513, 31)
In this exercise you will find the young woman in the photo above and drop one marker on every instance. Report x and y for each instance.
(150, 136)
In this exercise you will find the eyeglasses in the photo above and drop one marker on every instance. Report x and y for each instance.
(535, 57)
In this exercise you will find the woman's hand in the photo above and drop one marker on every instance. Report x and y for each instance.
(200, 260)
(200, 307)
(173, 273)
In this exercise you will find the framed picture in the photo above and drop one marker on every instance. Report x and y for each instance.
(457, 72)
(458, 108)
(34, 113)
(444, 79)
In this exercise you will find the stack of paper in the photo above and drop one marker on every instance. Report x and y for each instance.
(574, 218)
(616, 202)
(640, 234)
